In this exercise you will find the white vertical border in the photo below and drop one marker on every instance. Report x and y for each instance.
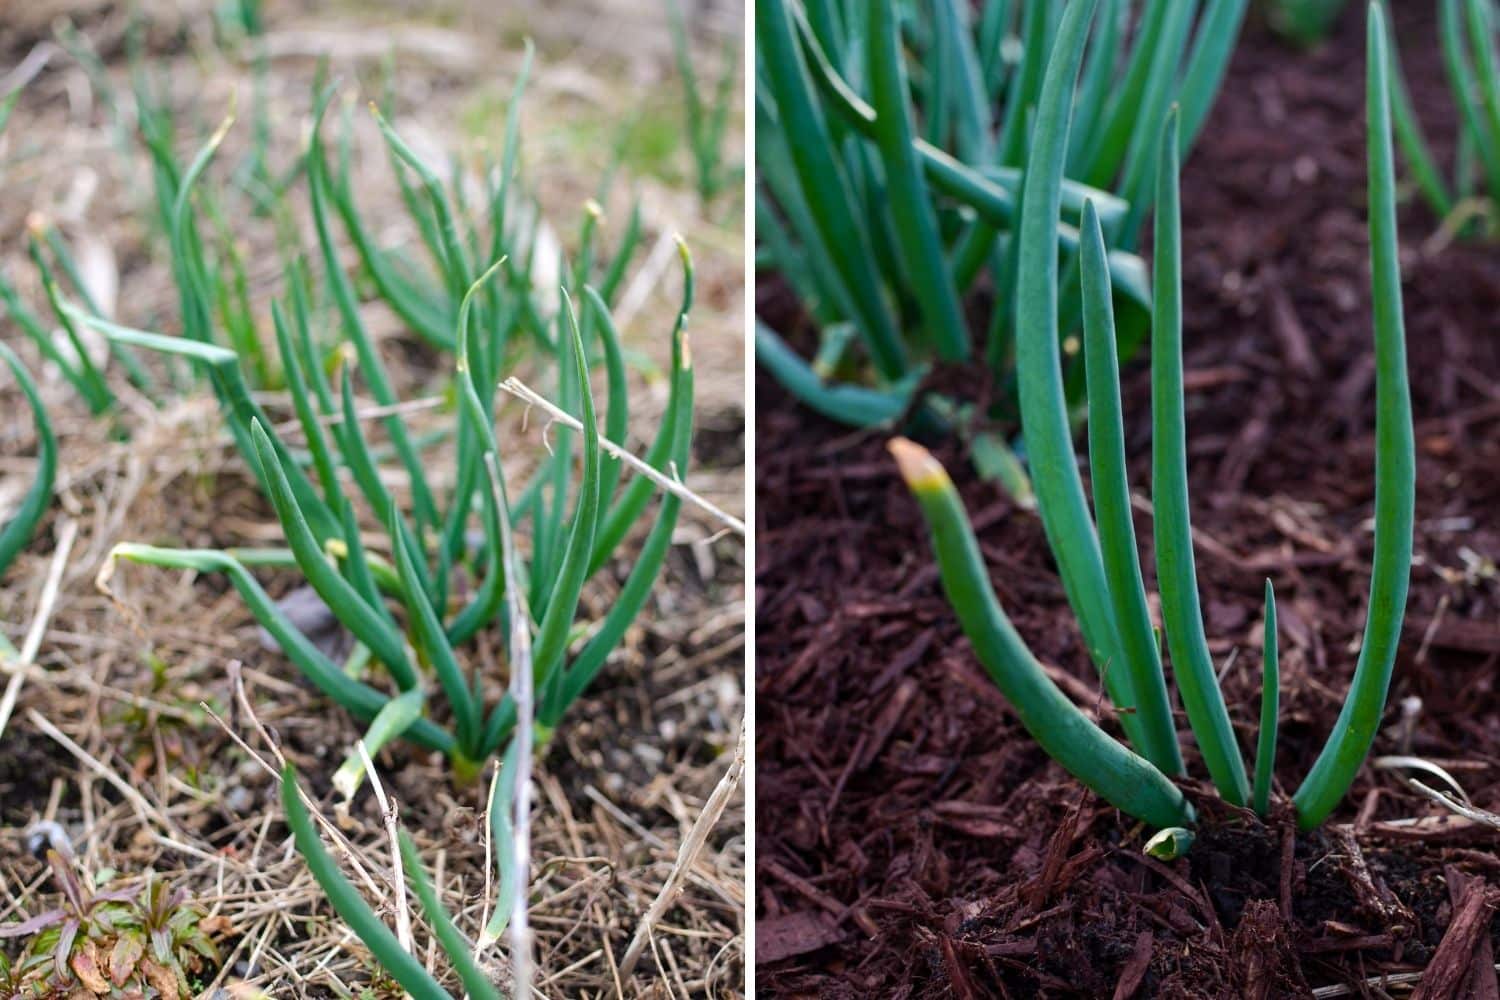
(747, 60)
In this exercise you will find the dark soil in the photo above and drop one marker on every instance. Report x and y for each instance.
(913, 842)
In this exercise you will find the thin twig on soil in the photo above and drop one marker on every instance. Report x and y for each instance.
(33, 641)
(1468, 812)
(398, 874)
(236, 680)
(693, 843)
(148, 813)
(521, 688)
(531, 397)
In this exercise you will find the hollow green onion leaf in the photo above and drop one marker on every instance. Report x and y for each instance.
(1122, 778)
(390, 722)
(1170, 844)
(359, 565)
(502, 836)
(432, 645)
(637, 493)
(1270, 707)
(1395, 472)
(848, 404)
(1176, 571)
(344, 600)
(1044, 412)
(307, 417)
(1412, 142)
(648, 561)
(557, 619)
(910, 204)
(1207, 64)
(453, 943)
(617, 408)
(455, 259)
(18, 531)
(1122, 568)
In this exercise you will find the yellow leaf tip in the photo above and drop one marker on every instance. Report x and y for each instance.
(920, 470)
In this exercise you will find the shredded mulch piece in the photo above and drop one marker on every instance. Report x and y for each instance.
(914, 842)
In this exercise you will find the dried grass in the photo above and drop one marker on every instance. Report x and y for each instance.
(115, 700)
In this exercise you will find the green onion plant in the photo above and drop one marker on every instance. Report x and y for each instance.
(216, 305)
(416, 593)
(444, 589)
(351, 907)
(510, 833)
(441, 566)
(891, 139)
(1096, 550)
(706, 118)
(1468, 199)
(22, 524)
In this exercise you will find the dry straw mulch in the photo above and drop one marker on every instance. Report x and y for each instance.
(125, 740)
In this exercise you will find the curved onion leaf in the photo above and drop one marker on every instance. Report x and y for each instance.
(18, 532)
(1069, 737)
(351, 907)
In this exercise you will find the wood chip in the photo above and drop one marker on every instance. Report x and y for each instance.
(1482, 983)
(1133, 974)
(1453, 959)
(795, 934)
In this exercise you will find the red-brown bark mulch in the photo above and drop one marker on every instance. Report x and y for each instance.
(912, 840)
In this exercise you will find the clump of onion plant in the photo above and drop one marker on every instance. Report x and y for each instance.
(890, 140)
(22, 524)
(67, 352)
(706, 118)
(1468, 201)
(137, 940)
(1096, 555)
(444, 590)
(426, 554)
(216, 304)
